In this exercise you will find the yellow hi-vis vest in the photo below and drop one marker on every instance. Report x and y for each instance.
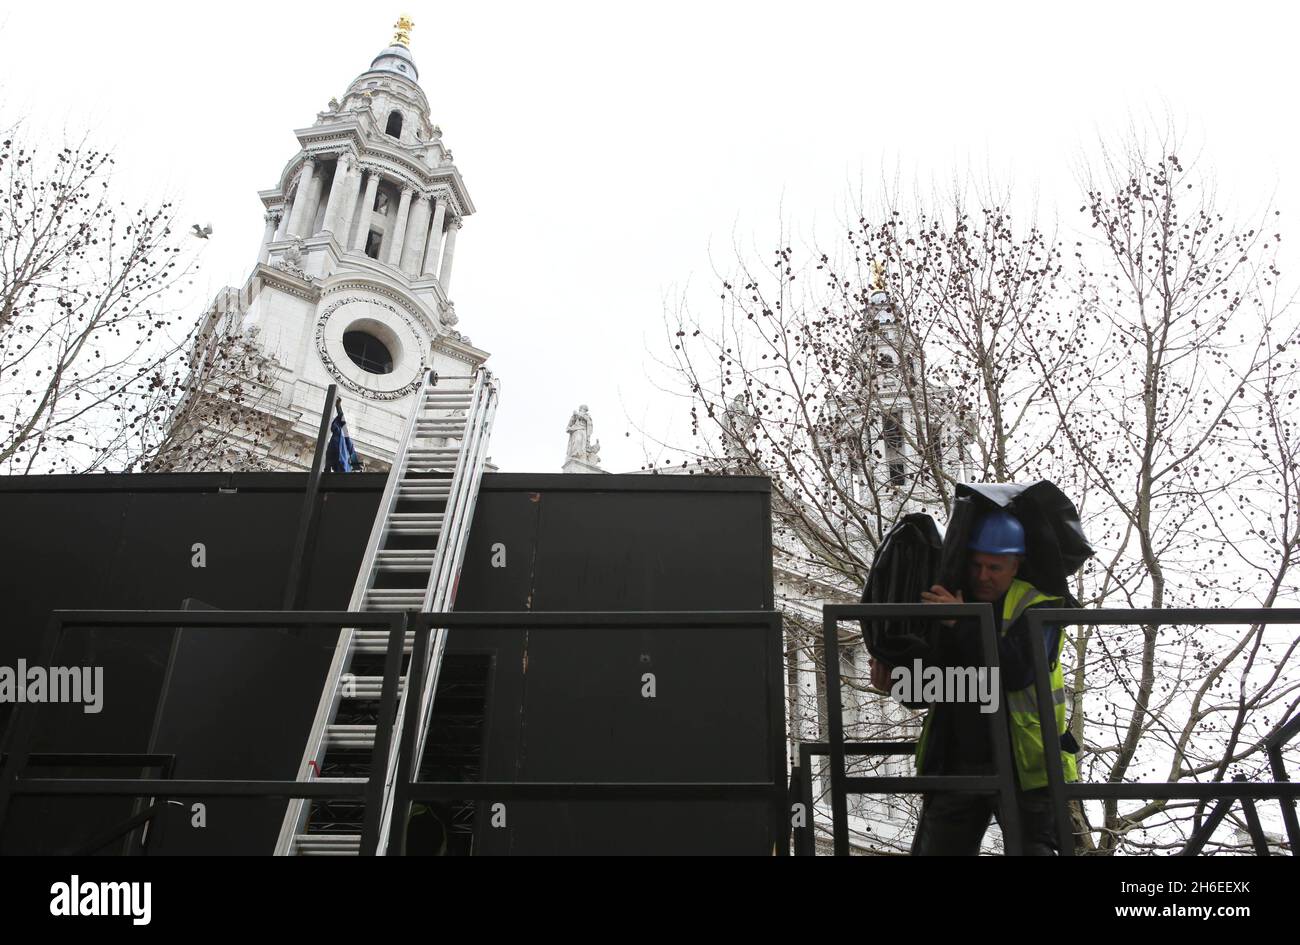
(1022, 711)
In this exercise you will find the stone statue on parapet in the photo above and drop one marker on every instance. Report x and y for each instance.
(582, 454)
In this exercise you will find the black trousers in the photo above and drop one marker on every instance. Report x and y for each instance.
(954, 824)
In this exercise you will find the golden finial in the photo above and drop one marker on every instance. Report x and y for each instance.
(877, 276)
(403, 26)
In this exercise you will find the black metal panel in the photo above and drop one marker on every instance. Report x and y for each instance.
(88, 542)
(499, 573)
(570, 704)
(559, 707)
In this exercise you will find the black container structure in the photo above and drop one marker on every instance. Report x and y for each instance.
(619, 691)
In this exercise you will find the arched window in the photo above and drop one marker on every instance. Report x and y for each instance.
(394, 128)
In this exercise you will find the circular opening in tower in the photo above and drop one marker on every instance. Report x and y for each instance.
(368, 352)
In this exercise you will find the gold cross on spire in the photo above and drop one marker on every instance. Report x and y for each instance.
(403, 26)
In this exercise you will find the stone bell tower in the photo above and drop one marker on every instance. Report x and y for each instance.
(352, 281)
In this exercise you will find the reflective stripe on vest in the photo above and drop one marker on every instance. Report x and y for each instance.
(1022, 704)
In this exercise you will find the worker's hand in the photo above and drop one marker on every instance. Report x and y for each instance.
(938, 594)
(880, 675)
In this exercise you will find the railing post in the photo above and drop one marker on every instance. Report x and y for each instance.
(1051, 737)
(835, 724)
(22, 723)
(371, 828)
(402, 783)
(295, 586)
(1013, 836)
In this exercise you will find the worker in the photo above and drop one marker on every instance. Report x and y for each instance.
(955, 738)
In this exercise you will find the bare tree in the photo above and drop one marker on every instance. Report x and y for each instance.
(85, 288)
(865, 382)
(1150, 378)
(99, 366)
(218, 414)
(1172, 410)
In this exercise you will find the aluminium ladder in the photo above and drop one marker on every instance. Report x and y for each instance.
(412, 562)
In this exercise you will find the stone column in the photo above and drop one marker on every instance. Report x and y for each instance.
(448, 250)
(397, 236)
(338, 195)
(272, 220)
(282, 229)
(301, 198)
(417, 235)
(348, 208)
(435, 238)
(313, 201)
(367, 208)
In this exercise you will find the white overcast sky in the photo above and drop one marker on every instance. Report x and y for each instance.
(609, 148)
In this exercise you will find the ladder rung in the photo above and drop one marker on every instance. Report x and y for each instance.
(351, 736)
(368, 687)
(421, 560)
(371, 642)
(415, 523)
(414, 528)
(327, 844)
(414, 488)
(412, 597)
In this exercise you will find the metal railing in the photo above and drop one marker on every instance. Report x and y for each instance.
(409, 789)
(1002, 783)
(141, 820)
(1059, 791)
(1223, 791)
(15, 781)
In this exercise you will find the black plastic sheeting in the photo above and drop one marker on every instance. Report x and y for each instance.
(913, 557)
(1054, 541)
(904, 566)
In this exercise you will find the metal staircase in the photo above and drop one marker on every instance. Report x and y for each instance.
(412, 562)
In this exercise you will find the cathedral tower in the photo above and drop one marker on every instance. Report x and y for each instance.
(352, 281)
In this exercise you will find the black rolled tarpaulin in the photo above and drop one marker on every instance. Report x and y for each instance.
(1054, 541)
(905, 565)
(952, 560)
(913, 557)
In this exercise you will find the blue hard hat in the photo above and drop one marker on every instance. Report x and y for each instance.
(998, 533)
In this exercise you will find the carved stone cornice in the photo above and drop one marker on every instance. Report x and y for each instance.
(288, 283)
(373, 285)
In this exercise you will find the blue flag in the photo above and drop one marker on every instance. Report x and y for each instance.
(340, 454)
